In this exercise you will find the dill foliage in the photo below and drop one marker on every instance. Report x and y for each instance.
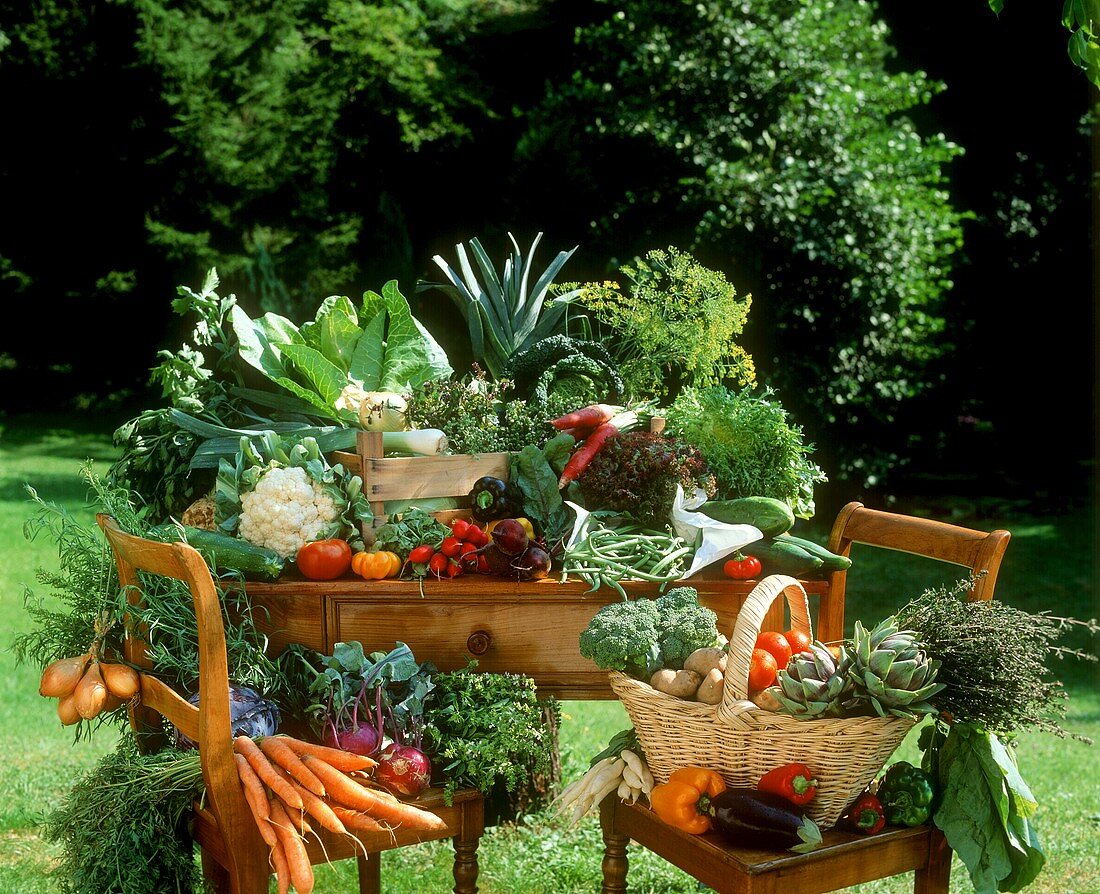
(123, 826)
(993, 659)
(676, 325)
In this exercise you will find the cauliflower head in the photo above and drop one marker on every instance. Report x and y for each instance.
(286, 510)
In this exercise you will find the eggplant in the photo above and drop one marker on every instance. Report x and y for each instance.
(751, 818)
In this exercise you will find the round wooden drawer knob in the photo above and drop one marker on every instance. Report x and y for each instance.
(479, 642)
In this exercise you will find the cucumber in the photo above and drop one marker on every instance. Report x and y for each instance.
(226, 553)
(780, 557)
(830, 561)
(771, 516)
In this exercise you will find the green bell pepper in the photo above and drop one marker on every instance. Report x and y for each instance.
(907, 794)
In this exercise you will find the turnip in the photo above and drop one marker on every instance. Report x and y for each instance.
(359, 739)
(403, 769)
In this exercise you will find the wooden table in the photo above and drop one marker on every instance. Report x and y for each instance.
(529, 628)
(844, 859)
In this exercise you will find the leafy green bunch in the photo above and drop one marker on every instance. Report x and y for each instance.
(477, 415)
(487, 730)
(749, 443)
(677, 324)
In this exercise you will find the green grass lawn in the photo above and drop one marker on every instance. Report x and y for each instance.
(1049, 566)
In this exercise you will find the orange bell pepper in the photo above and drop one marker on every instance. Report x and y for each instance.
(684, 801)
(376, 565)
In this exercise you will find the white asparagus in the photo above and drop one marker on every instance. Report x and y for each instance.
(603, 783)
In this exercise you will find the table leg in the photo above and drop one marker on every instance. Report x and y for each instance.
(465, 868)
(615, 862)
(370, 873)
(936, 876)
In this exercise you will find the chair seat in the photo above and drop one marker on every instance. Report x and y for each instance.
(844, 859)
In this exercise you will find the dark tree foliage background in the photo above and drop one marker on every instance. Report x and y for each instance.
(904, 189)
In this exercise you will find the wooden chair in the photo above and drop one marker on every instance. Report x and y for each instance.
(234, 857)
(845, 859)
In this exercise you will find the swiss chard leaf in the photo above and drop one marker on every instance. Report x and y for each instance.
(984, 810)
(535, 473)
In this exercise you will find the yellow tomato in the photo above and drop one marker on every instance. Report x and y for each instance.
(375, 565)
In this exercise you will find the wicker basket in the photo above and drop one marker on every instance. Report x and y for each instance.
(742, 741)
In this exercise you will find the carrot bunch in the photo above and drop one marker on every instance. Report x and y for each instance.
(289, 782)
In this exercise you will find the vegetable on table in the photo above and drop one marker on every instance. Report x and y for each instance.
(604, 556)
(491, 498)
(376, 565)
(762, 819)
(771, 516)
(782, 557)
(907, 794)
(866, 815)
(324, 559)
(585, 453)
(225, 553)
(794, 781)
(685, 801)
(383, 411)
(587, 419)
(742, 567)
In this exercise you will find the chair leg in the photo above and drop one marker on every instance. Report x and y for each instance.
(465, 866)
(214, 873)
(370, 873)
(936, 876)
(615, 862)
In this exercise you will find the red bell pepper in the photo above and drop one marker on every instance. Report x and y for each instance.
(795, 782)
(866, 815)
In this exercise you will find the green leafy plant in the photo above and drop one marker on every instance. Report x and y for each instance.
(123, 828)
(749, 443)
(487, 730)
(504, 312)
(677, 324)
(329, 363)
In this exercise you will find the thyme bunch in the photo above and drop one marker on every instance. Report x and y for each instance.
(993, 659)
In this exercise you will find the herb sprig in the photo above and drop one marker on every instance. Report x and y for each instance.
(993, 659)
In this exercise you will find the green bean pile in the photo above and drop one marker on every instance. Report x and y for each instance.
(606, 556)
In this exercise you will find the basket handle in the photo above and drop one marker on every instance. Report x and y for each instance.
(747, 629)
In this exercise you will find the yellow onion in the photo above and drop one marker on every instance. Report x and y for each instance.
(66, 710)
(121, 679)
(60, 678)
(90, 694)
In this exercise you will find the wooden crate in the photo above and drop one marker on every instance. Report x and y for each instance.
(403, 478)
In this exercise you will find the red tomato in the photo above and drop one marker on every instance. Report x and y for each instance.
(762, 670)
(324, 559)
(775, 642)
(799, 641)
(742, 567)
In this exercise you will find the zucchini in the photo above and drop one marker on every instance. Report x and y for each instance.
(225, 553)
(830, 561)
(771, 516)
(780, 557)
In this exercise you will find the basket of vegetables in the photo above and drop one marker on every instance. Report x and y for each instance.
(831, 728)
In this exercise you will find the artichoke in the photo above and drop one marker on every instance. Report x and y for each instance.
(814, 683)
(890, 669)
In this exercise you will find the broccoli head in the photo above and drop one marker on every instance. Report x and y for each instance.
(683, 626)
(623, 636)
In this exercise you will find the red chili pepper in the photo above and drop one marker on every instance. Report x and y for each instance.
(866, 815)
(742, 567)
(795, 782)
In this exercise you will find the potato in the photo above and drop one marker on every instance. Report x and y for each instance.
(711, 689)
(703, 661)
(766, 700)
(680, 683)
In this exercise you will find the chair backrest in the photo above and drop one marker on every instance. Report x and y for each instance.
(209, 724)
(979, 551)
